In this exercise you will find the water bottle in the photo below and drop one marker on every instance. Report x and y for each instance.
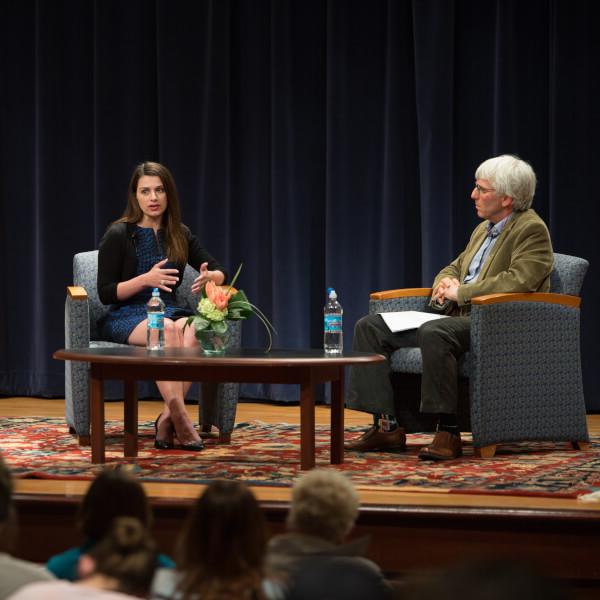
(155, 309)
(333, 335)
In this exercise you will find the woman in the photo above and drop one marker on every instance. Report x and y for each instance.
(148, 247)
(221, 550)
(120, 566)
(114, 493)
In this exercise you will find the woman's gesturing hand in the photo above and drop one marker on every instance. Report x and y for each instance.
(161, 278)
(205, 275)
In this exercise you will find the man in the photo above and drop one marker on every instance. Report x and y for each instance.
(509, 252)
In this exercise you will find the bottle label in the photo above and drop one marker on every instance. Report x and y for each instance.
(156, 321)
(333, 323)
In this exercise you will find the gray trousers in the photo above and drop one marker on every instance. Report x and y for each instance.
(442, 343)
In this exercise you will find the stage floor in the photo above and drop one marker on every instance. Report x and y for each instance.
(272, 413)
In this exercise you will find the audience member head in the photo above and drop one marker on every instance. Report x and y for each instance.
(222, 548)
(124, 560)
(7, 509)
(336, 578)
(324, 504)
(114, 493)
(490, 578)
(510, 176)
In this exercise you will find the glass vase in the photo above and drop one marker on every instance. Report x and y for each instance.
(212, 342)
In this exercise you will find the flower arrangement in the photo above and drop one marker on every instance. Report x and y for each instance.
(220, 304)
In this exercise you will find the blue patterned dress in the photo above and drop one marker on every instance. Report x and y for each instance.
(122, 319)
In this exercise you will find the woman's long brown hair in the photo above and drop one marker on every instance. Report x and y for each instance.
(222, 548)
(177, 248)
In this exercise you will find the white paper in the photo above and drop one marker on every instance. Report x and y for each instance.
(408, 319)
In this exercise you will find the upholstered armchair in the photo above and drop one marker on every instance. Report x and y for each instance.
(524, 365)
(83, 309)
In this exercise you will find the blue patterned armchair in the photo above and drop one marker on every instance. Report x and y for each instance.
(524, 366)
(83, 309)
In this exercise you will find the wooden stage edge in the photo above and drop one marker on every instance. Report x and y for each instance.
(412, 532)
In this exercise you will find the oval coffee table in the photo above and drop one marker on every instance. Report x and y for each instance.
(304, 367)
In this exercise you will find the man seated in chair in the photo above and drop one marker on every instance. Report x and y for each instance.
(509, 252)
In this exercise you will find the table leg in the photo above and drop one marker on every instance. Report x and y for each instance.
(97, 416)
(307, 425)
(337, 419)
(131, 418)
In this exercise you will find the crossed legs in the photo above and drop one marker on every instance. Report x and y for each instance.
(174, 418)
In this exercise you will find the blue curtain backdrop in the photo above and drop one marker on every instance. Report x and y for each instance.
(321, 142)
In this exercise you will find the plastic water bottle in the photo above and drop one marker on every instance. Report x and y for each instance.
(333, 335)
(155, 309)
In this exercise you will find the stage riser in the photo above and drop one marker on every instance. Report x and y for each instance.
(403, 541)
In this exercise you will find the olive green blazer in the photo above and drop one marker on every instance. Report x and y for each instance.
(520, 261)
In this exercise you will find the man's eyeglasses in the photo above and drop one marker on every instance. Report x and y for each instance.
(483, 190)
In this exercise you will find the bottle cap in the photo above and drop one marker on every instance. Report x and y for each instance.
(332, 293)
(155, 292)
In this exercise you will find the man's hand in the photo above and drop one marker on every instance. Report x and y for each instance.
(451, 292)
(446, 289)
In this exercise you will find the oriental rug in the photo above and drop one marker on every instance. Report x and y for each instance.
(268, 455)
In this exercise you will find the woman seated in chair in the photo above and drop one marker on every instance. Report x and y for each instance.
(147, 248)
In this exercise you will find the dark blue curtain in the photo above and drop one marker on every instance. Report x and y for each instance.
(321, 143)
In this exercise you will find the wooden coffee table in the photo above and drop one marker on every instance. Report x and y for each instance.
(304, 367)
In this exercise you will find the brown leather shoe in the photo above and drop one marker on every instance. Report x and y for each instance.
(375, 439)
(445, 446)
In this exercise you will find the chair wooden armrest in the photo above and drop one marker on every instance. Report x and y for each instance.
(401, 293)
(563, 299)
(76, 292)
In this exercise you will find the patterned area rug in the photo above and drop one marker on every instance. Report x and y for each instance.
(268, 455)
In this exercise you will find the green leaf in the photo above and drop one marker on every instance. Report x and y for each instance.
(200, 322)
(188, 322)
(236, 315)
(219, 326)
(237, 273)
(239, 302)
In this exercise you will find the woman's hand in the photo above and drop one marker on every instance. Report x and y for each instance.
(161, 278)
(205, 275)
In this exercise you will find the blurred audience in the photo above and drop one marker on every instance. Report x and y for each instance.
(489, 578)
(336, 578)
(221, 550)
(121, 565)
(323, 512)
(14, 573)
(114, 493)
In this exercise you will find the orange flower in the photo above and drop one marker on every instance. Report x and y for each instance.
(217, 294)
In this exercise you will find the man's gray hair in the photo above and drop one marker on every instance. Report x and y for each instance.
(510, 176)
(324, 504)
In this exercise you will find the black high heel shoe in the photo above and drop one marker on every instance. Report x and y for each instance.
(193, 446)
(161, 444)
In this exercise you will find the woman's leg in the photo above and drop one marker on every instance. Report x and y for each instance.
(189, 341)
(174, 413)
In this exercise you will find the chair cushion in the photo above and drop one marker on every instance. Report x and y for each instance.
(568, 274)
